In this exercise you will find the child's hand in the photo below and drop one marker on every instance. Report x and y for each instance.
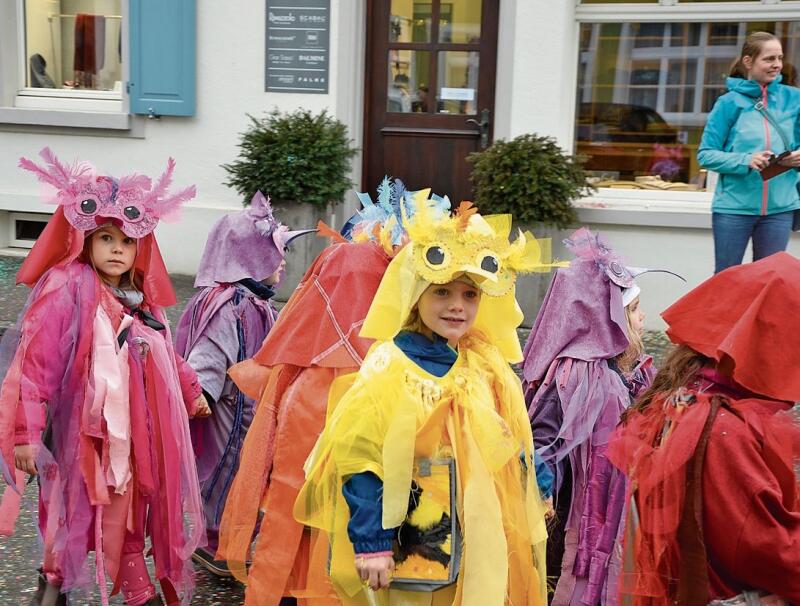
(201, 407)
(375, 573)
(25, 458)
(549, 512)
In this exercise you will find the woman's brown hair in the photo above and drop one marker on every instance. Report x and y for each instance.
(681, 365)
(752, 47)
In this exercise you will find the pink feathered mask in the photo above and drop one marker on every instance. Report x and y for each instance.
(132, 202)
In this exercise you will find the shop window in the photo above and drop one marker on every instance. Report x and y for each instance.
(644, 93)
(73, 46)
(102, 58)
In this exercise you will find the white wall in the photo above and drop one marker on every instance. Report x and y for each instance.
(536, 69)
(688, 251)
(230, 84)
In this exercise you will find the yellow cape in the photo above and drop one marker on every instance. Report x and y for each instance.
(392, 411)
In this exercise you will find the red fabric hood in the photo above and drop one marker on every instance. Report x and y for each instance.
(747, 318)
(61, 243)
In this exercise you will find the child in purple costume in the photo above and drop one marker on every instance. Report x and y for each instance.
(223, 324)
(584, 364)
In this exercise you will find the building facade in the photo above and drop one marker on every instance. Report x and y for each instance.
(128, 83)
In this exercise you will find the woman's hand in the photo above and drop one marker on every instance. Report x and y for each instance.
(792, 160)
(376, 572)
(201, 407)
(760, 160)
(25, 458)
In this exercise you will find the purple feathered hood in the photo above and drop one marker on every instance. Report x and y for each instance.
(582, 315)
(246, 244)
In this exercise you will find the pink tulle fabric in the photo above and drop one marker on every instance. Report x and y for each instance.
(56, 355)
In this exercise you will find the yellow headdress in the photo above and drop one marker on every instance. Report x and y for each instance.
(443, 248)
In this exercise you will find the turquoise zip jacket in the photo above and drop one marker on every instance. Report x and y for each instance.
(735, 131)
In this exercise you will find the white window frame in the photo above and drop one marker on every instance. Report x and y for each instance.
(21, 105)
(13, 217)
(693, 208)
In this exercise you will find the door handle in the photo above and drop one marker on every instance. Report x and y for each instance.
(483, 125)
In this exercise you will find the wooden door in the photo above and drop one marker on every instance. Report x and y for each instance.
(429, 98)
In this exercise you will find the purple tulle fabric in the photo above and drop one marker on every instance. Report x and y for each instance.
(574, 412)
(52, 360)
(575, 401)
(220, 327)
(581, 317)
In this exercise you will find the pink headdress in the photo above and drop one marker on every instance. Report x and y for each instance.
(132, 202)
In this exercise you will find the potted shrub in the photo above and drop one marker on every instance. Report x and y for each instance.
(293, 157)
(533, 179)
(302, 161)
(529, 177)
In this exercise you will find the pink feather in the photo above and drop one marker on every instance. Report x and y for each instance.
(164, 181)
(62, 171)
(43, 175)
(135, 181)
(169, 209)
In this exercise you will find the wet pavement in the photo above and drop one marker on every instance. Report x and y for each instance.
(19, 553)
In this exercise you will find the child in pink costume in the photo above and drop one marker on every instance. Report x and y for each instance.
(94, 400)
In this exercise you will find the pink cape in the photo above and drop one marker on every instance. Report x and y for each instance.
(53, 363)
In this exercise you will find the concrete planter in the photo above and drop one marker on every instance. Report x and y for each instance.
(531, 288)
(302, 251)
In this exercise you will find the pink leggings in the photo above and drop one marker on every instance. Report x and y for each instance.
(134, 579)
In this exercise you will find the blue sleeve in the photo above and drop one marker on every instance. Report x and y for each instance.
(544, 476)
(363, 493)
(710, 153)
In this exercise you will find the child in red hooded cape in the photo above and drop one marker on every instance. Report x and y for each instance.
(94, 400)
(712, 448)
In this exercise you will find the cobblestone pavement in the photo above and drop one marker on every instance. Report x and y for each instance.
(19, 553)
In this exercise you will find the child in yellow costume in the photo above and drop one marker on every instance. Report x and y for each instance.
(436, 385)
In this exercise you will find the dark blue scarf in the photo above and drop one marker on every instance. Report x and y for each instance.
(435, 357)
(262, 291)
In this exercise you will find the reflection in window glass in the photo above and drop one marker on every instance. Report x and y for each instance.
(685, 34)
(410, 21)
(74, 44)
(458, 82)
(409, 81)
(460, 21)
(723, 34)
(645, 90)
(648, 35)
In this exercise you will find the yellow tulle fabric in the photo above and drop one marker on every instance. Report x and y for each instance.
(464, 242)
(391, 412)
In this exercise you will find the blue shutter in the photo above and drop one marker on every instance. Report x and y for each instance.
(163, 66)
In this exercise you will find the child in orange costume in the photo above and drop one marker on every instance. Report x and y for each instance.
(314, 341)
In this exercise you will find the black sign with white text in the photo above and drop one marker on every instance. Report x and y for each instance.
(298, 45)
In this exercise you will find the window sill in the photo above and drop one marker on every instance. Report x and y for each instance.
(649, 208)
(64, 117)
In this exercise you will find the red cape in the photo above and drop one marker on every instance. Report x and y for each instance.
(747, 318)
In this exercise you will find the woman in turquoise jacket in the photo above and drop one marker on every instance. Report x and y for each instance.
(740, 140)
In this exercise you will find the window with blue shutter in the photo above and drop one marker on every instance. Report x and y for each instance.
(163, 71)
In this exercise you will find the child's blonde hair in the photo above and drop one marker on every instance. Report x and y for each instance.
(628, 358)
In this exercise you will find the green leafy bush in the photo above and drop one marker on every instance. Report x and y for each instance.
(529, 177)
(293, 157)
